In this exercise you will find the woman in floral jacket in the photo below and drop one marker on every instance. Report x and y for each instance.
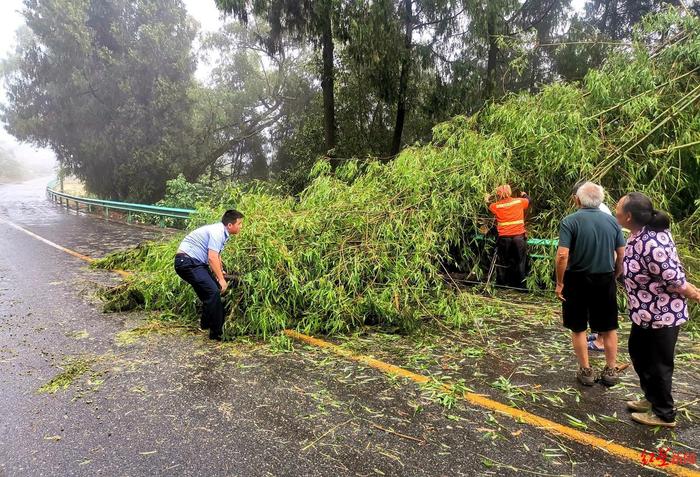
(657, 294)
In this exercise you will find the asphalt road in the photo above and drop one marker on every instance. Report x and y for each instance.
(151, 399)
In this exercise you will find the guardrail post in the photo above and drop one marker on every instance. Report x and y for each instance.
(106, 213)
(128, 217)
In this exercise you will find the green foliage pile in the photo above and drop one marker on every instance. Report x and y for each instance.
(368, 242)
(183, 194)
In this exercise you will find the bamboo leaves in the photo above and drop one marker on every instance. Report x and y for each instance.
(367, 243)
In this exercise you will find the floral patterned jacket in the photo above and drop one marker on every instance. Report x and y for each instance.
(653, 275)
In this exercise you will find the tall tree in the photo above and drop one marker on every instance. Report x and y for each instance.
(592, 35)
(306, 20)
(508, 34)
(104, 84)
(390, 42)
(250, 92)
(615, 18)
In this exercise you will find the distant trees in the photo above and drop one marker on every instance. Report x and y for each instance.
(109, 84)
(10, 168)
(105, 84)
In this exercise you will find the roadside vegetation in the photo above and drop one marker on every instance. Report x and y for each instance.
(371, 242)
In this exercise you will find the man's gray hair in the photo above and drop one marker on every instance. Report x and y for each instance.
(590, 195)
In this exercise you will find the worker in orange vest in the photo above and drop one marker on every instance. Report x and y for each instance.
(511, 246)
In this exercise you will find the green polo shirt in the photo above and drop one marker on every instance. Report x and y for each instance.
(591, 237)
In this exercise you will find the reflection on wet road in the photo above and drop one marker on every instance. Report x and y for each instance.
(26, 205)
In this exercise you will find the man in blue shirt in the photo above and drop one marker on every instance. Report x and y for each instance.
(198, 258)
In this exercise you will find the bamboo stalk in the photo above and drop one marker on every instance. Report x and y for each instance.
(420, 441)
(669, 149)
(599, 175)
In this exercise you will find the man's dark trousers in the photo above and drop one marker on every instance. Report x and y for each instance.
(512, 261)
(197, 274)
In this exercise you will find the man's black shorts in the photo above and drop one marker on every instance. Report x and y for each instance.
(590, 299)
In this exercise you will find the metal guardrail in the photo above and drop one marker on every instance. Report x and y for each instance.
(110, 205)
(551, 243)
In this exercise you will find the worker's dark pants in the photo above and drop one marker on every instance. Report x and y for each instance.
(512, 261)
(651, 351)
(197, 274)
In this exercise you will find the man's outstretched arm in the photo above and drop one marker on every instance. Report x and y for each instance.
(217, 268)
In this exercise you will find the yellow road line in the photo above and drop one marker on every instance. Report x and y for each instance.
(79, 255)
(519, 415)
(473, 398)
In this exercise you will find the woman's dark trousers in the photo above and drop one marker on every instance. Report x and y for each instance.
(651, 351)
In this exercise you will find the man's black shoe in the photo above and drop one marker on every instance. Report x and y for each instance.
(215, 337)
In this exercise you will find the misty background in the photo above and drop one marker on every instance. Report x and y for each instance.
(21, 161)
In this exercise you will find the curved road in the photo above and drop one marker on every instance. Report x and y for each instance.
(26, 205)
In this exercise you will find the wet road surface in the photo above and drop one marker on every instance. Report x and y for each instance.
(144, 398)
(26, 205)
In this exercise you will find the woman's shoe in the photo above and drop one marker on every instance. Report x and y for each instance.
(651, 419)
(639, 406)
(594, 347)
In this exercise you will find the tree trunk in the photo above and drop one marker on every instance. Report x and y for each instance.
(492, 58)
(611, 21)
(61, 173)
(615, 21)
(403, 79)
(327, 83)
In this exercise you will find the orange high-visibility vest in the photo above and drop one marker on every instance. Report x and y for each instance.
(510, 216)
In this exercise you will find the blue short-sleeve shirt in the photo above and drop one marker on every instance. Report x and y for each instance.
(208, 237)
